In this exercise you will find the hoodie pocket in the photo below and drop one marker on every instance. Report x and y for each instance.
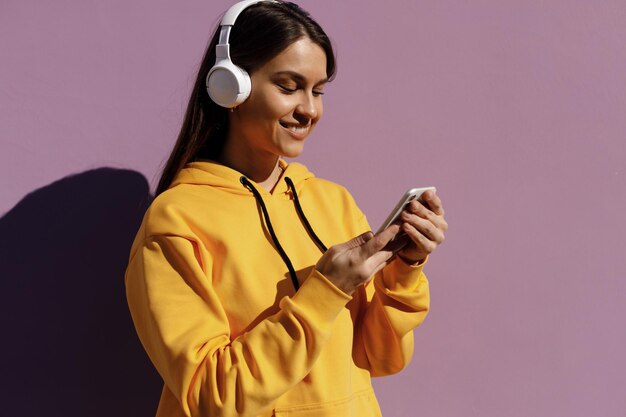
(360, 404)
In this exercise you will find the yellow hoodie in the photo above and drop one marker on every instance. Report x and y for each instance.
(217, 312)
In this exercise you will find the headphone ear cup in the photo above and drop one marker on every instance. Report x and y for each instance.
(227, 84)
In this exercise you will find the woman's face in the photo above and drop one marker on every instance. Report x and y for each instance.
(285, 103)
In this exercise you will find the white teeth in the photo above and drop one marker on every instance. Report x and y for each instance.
(297, 129)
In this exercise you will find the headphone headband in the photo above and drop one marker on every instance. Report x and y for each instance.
(235, 10)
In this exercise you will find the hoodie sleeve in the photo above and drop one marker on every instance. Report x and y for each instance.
(185, 331)
(393, 303)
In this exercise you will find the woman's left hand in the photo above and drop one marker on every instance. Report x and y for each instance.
(425, 226)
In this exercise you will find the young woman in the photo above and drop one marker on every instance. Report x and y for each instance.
(256, 288)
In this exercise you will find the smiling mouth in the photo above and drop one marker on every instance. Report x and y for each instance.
(295, 128)
(299, 129)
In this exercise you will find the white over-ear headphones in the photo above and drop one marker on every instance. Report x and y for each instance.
(227, 84)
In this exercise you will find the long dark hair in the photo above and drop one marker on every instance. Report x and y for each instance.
(261, 32)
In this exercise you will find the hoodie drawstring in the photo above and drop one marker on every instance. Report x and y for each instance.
(292, 273)
(303, 218)
(281, 251)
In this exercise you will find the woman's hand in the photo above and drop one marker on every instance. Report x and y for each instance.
(425, 226)
(353, 263)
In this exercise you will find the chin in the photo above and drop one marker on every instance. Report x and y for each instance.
(292, 151)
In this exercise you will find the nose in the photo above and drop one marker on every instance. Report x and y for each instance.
(308, 107)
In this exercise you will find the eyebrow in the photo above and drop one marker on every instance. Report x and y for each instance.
(299, 77)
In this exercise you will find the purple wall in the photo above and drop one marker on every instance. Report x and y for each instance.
(515, 110)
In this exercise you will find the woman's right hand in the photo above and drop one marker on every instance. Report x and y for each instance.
(353, 263)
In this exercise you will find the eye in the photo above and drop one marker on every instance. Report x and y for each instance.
(317, 93)
(288, 89)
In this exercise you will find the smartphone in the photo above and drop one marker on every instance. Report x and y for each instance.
(410, 195)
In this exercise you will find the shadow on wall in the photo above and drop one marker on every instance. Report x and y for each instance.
(68, 343)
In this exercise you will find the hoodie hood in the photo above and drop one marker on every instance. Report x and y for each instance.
(225, 178)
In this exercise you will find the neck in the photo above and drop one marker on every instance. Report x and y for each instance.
(264, 169)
